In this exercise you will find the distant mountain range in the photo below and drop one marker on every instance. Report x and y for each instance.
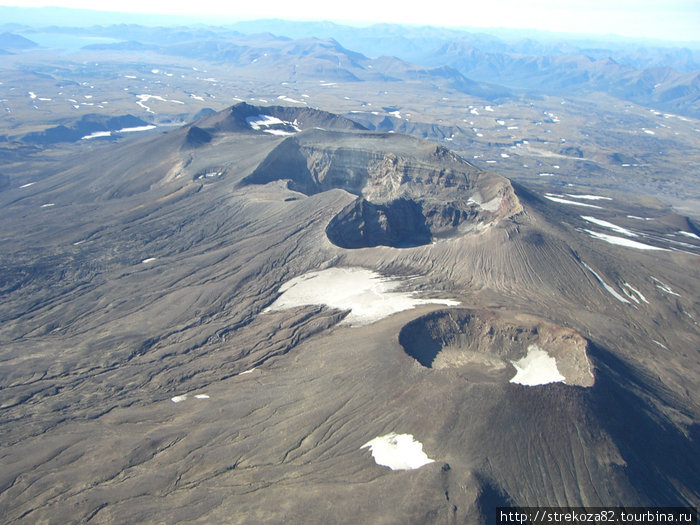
(659, 76)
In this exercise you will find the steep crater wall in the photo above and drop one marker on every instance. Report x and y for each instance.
(492, 342)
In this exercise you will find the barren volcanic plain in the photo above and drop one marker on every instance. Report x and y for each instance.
(293, 284)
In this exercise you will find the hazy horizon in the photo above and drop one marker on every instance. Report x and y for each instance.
(675, 21)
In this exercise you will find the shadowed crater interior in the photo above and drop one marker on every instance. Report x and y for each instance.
(492, 342)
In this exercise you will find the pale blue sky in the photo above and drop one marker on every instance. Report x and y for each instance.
(664, 19)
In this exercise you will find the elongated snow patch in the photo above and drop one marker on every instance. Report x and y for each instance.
(536, 368)
(367, 295)
(398, 452)
(619, 241)
(610, 225)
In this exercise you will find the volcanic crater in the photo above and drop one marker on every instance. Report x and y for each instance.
(493, 341)
(409, 192)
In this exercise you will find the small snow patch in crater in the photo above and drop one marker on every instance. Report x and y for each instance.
(398, 452)
(536, 368)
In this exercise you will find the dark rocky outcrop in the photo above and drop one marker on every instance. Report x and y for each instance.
(196, 137)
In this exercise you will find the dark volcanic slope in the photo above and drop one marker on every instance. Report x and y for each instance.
(143, 378)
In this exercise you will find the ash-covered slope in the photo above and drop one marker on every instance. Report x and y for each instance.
(183, 340)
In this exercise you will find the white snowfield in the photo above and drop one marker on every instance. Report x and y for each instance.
(688, 234)
(536, 368)
(267, 121)
(398, 452)
(136, 128)
(620, 241)
(368, 295)
(559, 198)
(589, 197)
(96, 135)
(183, 397)
(145, 98)
(610, 226)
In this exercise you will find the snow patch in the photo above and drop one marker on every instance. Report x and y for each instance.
(145, 98)
(179, 399)
(605, 285)
(589, 197)
(620, 241)
(635, 293)
(688, 234)
(367, 295)
(149, 260)
(536, 368)
(27, 185)
(398, 452)
(664, 287)
(558, 198)
(267, 122)
(289, 99)
(135, 129)
(96, 135)
(610, 225)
